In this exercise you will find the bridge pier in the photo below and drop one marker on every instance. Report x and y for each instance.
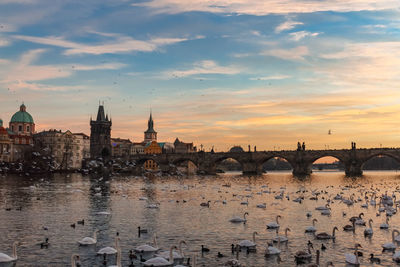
(302, 169)
(251, 168)
(353, 168)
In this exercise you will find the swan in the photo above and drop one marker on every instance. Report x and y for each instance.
(248, 244)
(178, 257)
(349, 227)
(359, 220)
(271, 250)
(160, 261)
(237, 219)
(324, 235)
(274, 225)
(118, 258)
(262, 205)
(89, 240)
(311, 229)
(326, 212)
(6, 258)
(281, 238)
(369, 231)
(302, 255)
(74, 258)
(385, 225)
(109, 250)
(352, 258)
(391, 246)
(148, 248)
(326, 207)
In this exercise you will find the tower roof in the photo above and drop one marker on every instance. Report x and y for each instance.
(150, 125)
(100, 114)
(22, 116)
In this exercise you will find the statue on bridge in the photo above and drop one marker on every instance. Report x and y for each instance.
(303, 146)
(353, 145)
(298, 146)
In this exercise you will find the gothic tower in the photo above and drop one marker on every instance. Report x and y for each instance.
(150, 134)
(100, 135)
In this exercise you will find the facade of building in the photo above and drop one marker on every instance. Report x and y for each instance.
(121, 148)
(150, 134)
(100, 135)
(21, 130)
(68, 149)
(6, 145)
(182, 147)
(152, 148)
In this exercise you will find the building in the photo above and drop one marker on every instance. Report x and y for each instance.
(121, 148)
(21, 130)
(68, 149)
(182, 147)
(152, 148)
(137, 148)
(100, 135)
(6, 145)
(150, 134)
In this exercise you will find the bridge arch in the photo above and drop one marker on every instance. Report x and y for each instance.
(218, 161)
(147, 163)
(262, 162)
(339, 159)
(377, 155)
(179, 161)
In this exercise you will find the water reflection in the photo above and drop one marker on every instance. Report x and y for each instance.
(51, 204)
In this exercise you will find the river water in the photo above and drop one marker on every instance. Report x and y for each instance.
(49, 205)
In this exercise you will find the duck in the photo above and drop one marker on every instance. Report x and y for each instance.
(204, 249)
(249, 244)
(262, 205)
(160, 261)
(325, 235)
(274, 225)
(281, 238)
(89, 240)
(369, 231)
(5, 258)
(237, 219)
(312, 229)
(82, 222)
(205, 204)
(352, 258)
(141, 231)
(45, 244)
(373, 259)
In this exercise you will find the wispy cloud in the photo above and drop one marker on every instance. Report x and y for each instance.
(203, 67)
(287, 25)
(297, 36)
(273, 77)
(296, 53)
(262, 7)
(119, 44)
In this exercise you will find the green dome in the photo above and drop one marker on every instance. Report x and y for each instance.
(22, 116)
(1, 123)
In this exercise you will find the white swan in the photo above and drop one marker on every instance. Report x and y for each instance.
(6, 258)
(178, 257)
(274, 225)
(148, 248)
(160, 261)
(369, 231)
(391, 246)
(324, 235)
(326, 207)
(109, 250)
(281, 238)
(352, 258)
(311, 229)
(262, 205)
(89, 240)
(237, 219)
(248, 244)
(74, 257)
(271, 250)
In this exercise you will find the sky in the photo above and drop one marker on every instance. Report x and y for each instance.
(268, 73)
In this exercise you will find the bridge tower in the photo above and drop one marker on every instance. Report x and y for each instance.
(100, 135)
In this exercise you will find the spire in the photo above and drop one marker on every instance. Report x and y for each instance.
(22, 107)
(100, 113)
(150, 124)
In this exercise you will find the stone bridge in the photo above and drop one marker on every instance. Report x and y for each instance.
(252, 162)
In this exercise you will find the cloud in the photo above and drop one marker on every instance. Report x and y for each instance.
(203, 67)
(273, 77)
(263, 7)
(119, 44)
(287, 25)
(297, 36)
(297, 53)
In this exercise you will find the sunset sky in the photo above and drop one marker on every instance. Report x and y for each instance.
(230, 72)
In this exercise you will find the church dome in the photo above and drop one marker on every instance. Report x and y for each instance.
(22, 116)
(236, 149)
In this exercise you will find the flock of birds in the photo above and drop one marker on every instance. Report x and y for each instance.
(357, 195)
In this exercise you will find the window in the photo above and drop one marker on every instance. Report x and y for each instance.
(19, 128)
(27, 128)
(12, 128)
